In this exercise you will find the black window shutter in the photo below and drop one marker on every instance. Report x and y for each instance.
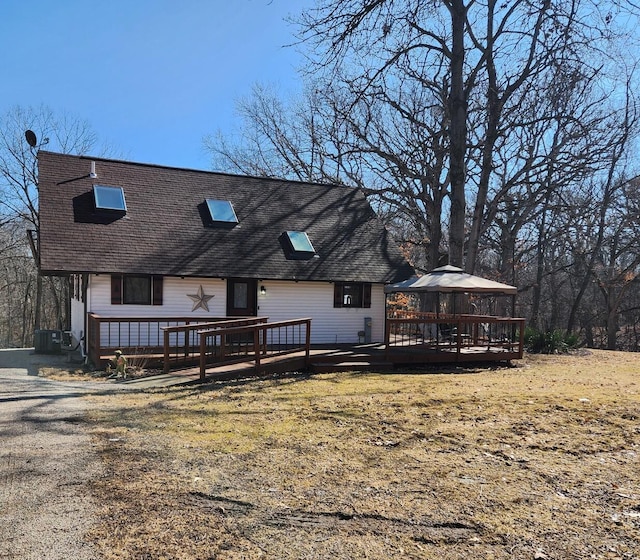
(366, 295)
(157, 290)
(116, 289)
(337, 294)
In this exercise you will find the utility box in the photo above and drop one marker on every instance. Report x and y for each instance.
(47, 341)
(367, 330)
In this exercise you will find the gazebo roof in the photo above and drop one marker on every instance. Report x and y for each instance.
(451, 279)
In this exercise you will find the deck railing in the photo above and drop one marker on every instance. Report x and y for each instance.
(133, 335)
(182, 343)
(416, 337)
(179, 340)
(228, 344)
(426, 332)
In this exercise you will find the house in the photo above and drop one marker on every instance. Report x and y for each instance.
(147, 241)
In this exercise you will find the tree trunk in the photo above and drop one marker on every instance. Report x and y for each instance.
(612, 328)
(435, 224)
(458, 135)
(491, 135)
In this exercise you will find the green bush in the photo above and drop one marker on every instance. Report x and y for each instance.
(549, 342)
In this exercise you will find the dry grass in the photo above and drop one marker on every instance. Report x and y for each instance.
(538, 461)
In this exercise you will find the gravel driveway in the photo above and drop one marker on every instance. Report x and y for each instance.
(46, 462)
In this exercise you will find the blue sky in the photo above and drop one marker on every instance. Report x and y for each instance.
(152, 77)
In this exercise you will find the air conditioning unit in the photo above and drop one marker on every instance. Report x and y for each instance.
(47, 341)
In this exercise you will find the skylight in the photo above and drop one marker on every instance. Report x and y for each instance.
(109, 198)
(300, 242)
(296, 245)
(221, 211)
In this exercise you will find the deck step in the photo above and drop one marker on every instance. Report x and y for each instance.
(334, 367)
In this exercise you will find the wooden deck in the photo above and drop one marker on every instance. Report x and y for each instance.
(227, 349)
(327, 359)
(381, 357)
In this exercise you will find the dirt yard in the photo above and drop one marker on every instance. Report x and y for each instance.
(536, 461)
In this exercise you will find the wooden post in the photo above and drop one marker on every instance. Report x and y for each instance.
(203, 357)
(96, 341)
(387, 338)
(521, 349)
(256, 346)
(307, 355)
(166, 352)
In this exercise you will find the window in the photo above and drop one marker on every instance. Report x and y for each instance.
(297, 245)
(352, 294)
(221, 211)
(109, 198)
(241, 295)
(136, 290)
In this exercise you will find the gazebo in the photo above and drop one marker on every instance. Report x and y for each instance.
(452, 280)
(464, 326)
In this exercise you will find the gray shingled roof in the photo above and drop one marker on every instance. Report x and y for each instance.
(163, 230)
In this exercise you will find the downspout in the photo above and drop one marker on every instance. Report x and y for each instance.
(386, 315)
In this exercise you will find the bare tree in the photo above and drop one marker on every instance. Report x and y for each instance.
(19, 197)
(510, 109)
(15, 277)
(489, 56)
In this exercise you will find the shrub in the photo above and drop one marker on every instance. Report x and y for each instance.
(549, 342)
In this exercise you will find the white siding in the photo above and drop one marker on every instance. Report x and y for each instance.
(175, 301)
(283, 300)
(329, 325)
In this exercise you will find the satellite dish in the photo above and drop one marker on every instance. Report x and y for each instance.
(31, 138)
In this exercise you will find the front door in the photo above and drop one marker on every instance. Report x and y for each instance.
(242, 297)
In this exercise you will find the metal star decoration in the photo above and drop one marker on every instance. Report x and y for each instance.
(200, 300)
